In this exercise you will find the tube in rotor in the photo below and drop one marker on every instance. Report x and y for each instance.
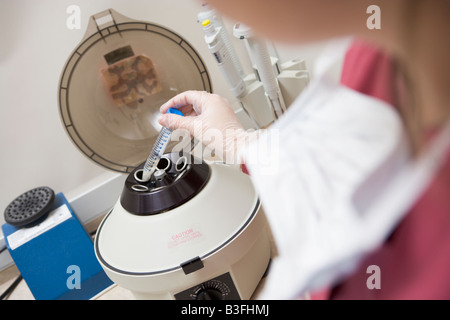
(158, 149)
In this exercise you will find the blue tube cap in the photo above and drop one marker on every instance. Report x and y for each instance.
(174, 111)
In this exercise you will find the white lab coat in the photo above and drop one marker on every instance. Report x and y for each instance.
(334, 176)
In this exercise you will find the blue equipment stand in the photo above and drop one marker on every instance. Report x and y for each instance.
(56, 257)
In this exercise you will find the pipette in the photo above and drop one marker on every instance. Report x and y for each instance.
(214, 38)
(259, 54)
(158, 149)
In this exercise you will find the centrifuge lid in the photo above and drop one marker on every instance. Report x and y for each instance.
(114, 83)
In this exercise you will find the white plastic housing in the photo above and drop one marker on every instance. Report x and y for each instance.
(223, 225)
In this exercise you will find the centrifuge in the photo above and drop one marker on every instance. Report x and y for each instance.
(196, 229)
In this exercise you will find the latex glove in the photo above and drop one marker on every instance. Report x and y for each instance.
(210, 119)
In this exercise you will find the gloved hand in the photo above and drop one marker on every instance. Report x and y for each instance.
(211, 119)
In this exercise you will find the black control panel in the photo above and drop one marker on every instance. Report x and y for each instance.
(218, 288)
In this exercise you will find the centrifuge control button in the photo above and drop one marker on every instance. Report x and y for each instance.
(209, 294)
